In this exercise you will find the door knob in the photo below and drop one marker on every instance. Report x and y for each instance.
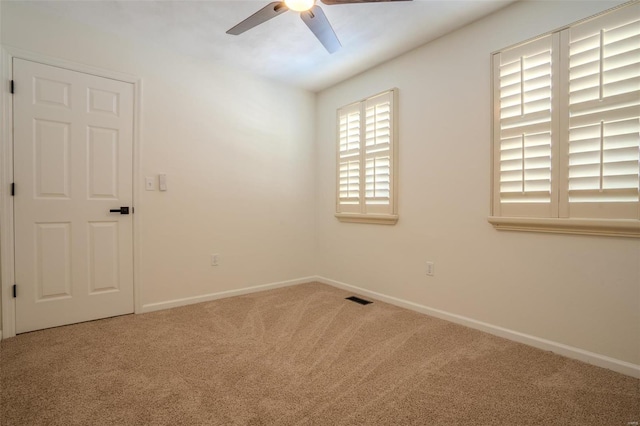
(121, 210)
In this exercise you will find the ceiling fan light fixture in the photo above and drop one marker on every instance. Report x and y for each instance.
(315, 19)
(299, 5)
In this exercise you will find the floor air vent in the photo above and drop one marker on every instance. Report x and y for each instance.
(358, 300)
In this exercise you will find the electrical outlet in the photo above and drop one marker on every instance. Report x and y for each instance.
(430, 269)
(215, 258)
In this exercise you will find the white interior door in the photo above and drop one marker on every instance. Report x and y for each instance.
(73, 148)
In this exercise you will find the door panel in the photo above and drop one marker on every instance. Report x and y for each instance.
(103, 257)
(103, 163)
(53, 261)
(51, 157)
(73, 145)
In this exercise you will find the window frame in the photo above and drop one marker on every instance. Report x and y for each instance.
(558, 221)
(358, 213)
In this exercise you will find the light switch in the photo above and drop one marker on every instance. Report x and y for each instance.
(162, 180)
(149, 184)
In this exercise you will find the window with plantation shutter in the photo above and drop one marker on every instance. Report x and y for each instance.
(366, 161)
(566, 129)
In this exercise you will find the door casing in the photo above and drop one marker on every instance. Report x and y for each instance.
(7, 272)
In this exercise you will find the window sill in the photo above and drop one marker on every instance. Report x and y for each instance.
(379, 219)
(605, 227)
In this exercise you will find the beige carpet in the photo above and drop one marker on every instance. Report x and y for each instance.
(298, 356)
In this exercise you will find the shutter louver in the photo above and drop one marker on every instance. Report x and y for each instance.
(524, 128)
(604, 117)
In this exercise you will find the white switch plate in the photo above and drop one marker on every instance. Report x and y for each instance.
(149, 184)
(430, 269)
(214, 259)
(162, 180)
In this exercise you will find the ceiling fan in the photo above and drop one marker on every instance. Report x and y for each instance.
(312, 15)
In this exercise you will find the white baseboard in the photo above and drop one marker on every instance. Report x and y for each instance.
(617, 365)
(151, 307)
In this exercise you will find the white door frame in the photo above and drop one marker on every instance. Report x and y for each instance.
(7, 266)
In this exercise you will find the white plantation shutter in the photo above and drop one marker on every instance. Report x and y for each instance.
(349, 154)
(566, 129)
(377, 153)
(604, 117)
(366, 159)
(523, 129)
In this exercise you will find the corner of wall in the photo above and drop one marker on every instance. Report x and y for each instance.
(1, 121)
(316, 180)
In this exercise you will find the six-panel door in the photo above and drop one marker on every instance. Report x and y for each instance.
(73, 135)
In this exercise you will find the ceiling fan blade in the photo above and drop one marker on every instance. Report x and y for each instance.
(263, 15)
(318, 23)
(330, 2)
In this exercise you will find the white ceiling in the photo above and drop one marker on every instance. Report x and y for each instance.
(282, 48)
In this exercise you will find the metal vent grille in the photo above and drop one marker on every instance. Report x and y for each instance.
(358, 300)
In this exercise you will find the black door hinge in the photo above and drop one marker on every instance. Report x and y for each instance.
(13, 189)
(15, 290)
(13, 87)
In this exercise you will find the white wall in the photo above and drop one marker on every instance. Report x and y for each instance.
(237, 150)
(577, 290)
